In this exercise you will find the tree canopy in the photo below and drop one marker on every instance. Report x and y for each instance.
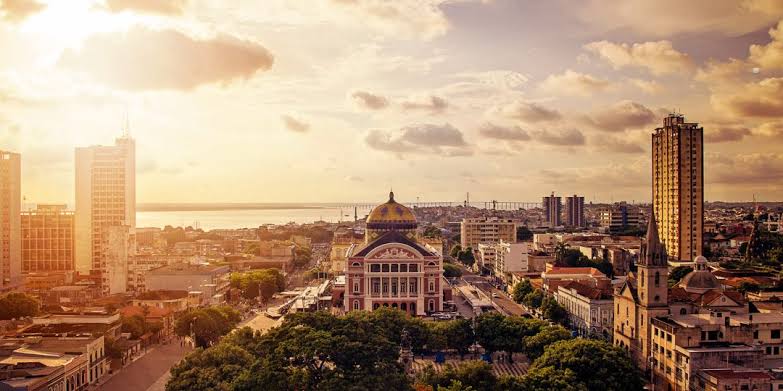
(18, 305)
(521, 289)
(259, 283)
(206, 324)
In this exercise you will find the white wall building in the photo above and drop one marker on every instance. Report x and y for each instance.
(105, 197)
(590, 310)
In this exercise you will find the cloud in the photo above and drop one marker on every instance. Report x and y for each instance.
(648, 86)
(560, 137)
(621, 116)
(433, 104)
(658, 57)
(633, 174)
(770, 129)
(665, 18)
(721, 133)
(442, 139)
(294, 124)
(719, 73)
(615, 144)
(351, 178)
(143, 59)
(500, 79)
(369, 101)
(763, 99)
(757, 168)
(18, 10)
(574, 83)
(530, 112)
(410, 18)
(510, 133)
(163, 7)
(769, 56)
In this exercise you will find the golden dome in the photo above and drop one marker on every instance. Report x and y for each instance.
(391, 213)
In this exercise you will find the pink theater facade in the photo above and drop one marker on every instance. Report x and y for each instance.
(397, 272)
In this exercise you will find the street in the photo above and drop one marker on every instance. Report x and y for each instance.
(148, 373)
(500, 298)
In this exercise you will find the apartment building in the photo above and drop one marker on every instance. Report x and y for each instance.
(487, 230)
(47, 240)
(10, 222)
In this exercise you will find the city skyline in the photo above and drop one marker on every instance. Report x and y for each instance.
(331, 101)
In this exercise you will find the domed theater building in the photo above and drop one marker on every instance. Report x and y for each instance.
(392, 269)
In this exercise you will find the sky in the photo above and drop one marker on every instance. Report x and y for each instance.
(341, 100)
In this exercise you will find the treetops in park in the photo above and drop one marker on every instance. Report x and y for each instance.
(207, 325)
(18, 305)
(360, 351)
(263, 283)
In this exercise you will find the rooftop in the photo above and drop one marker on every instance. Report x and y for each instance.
(186, 269)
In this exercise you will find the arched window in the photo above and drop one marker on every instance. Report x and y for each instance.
(356, 305)
(432, 264)
(657, 279)
(356, 264)
(432, 286)
(355, 287)
(683, 311)
(431, 305)
(641, 278)
(618, 308)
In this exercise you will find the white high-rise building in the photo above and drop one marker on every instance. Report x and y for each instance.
(105, 197)
(10, 221)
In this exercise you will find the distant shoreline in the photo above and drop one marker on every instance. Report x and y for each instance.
(177, 207)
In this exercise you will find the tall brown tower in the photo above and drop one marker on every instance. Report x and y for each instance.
(678, 186)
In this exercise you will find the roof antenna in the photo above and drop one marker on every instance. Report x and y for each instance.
(126, 124)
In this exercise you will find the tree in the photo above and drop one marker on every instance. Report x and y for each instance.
(534, 345)
(553, 311)
(678, 273)
(432, 232)
(437, 340)
(17, 305)
(459, 335)
(216, 368)
(302, 256)
(454, 253)
(456, 385)
(549, 378)
(135, 325)
(521, 289)
(466, 256)
(524, 234)
(585, 364)
(534, 299)
(206, 324)
(451, 271)
(263, 283)
(474, 374)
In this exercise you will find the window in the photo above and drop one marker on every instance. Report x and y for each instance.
(432, 286)
(404, 268)
(657, 279)
(375, 268)
(413, 268)
(755, 334)
(356, 264)
(355, 287)
(356, 305)
(774, 334)
(683, 311)
(395, 268)
(385, 268)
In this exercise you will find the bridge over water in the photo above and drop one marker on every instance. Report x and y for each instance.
(494, 205)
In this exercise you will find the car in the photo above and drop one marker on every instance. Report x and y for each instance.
(495, 295)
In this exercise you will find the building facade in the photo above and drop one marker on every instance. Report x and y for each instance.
(552, 206)
(590, 310)
(10, 222)
(393, 269)
(486, 230)
(678, 186)
(575, 211)
(620, 217)
(47, 240)
(105, 197)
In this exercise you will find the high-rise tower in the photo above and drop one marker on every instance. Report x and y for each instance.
(10, 221)
(105, 197)
(575, 211)
(552, 206)
(678, 186)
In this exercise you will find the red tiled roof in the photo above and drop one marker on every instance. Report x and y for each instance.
(154, 312)
(576, 270)
(737, 374)
(584, 290)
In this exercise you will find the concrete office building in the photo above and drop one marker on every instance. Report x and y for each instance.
(620, 217)
(575, 211)
(552, 206)
(47, 240)
(10, 223)
(678, 187)
(486, 230)
(105, 197)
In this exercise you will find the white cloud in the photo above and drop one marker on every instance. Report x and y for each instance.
(658, 57)
(574, 83)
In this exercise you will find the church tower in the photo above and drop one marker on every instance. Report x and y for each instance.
(652, 286)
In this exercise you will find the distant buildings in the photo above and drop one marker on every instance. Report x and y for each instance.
(575, 211)
(10, 222)
(211, 280)
(47, 240)
(678, 186)
(486, 230)
(620, 217)
(105, 197)
(552, 206)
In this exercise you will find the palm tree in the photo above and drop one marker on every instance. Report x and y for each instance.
(560, 251)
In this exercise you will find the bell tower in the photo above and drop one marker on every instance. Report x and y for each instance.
(652, 287)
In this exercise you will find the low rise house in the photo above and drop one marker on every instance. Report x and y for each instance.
(590, 310)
